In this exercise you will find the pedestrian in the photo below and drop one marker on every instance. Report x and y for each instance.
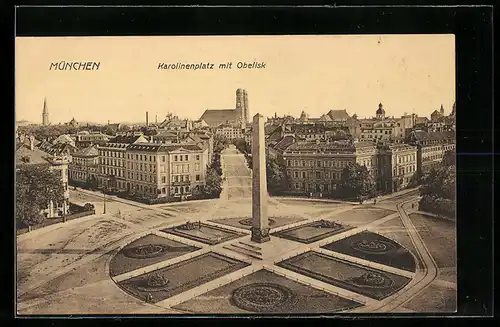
(149, 298)
(375, 201)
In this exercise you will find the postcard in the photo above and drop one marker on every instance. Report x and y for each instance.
(242, 175)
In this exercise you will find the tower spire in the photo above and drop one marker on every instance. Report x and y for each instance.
(45, 113)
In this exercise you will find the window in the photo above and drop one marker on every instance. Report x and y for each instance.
(186, 157)
(197, 167)
(163, 158)
(180, 158)
(163, 179)
(197, 157)
(197, 177)
(303, 174)
(296, 174)
(318, 174)
(175, 158)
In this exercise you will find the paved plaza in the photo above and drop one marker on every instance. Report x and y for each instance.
(324, 257)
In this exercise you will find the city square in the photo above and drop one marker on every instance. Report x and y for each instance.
(88, 266)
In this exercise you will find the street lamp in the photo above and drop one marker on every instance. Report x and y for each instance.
(104, 195)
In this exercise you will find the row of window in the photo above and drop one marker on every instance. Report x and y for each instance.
(319, 163)
(377, 131)
(312, 187)
(432, 158)
(438, 148)
(140, 157)
(144, 167)
(114, 154)
(407, 158)
(112, 162)
(406, 170)
(112, 171)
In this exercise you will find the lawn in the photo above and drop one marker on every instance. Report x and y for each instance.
(434, 299)
(300, 298)
(439, 236)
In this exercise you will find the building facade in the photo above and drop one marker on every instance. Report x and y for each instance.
(397, 166)
(229, 131)
(112, 160)
(84, 166)
(431, 148)
(316, 167)
(165, 170)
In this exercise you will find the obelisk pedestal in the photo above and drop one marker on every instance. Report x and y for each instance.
(260, 222)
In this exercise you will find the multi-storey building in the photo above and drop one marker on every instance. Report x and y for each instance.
(317, 166)
(84, 165)
(84, 139)
(431, 147)
(112, 160)
(165, 170)
(231, 132)
(397, 165)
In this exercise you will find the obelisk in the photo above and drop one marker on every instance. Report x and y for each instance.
(260, 222)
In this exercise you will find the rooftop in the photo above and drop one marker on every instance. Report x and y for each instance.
(216, 117)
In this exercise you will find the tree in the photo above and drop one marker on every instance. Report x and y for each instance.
(242, 146)
(356, 182)
(438, 189)
(213, 183)
(220, 143)
(36, 186)
(276, 175)
(216, 165)
(450, 158)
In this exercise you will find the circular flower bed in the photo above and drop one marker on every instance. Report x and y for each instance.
(152, 283)
(373, 280)
(248, 221)
(375, 247)
(263, 297)
(145, 251)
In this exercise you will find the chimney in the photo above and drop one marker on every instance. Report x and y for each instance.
(156, 120)
(147, 119)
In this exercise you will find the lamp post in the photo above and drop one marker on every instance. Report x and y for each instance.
(104, 195)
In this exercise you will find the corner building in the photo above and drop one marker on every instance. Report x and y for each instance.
(397, 166)
(165, 170)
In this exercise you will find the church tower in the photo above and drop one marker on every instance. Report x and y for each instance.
(45, 113)
(246, 113)
(441, 110)
(380, 112)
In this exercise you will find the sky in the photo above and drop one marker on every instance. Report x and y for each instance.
(406, 73)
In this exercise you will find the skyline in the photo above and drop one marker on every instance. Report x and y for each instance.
(406, 73)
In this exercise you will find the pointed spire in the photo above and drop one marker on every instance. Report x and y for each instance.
(45, 113)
